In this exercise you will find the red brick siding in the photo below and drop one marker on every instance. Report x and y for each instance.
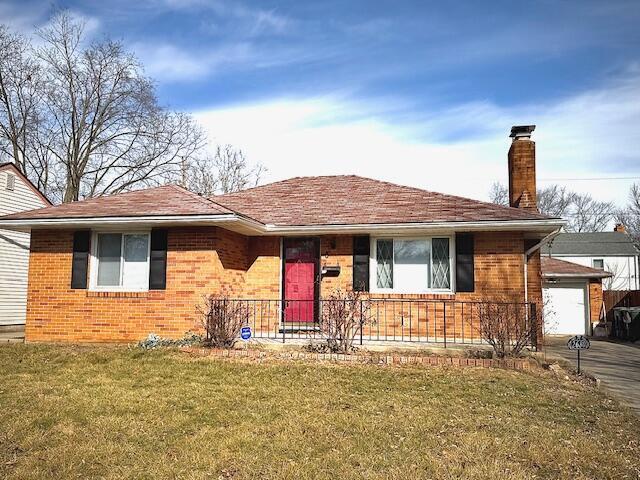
(199, 261)
(595, 300)
(522, 174)
(213, 260)
(263, 273)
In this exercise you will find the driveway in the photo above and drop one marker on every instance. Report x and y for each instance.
(616, 365)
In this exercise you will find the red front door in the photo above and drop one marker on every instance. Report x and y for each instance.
(301, 258)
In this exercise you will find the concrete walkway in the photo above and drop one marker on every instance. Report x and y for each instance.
(12, 334)
(616, 365)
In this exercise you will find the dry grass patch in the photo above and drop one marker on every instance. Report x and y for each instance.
(112, 412)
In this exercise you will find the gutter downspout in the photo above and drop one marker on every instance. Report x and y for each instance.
(526, 260)
(526, 272)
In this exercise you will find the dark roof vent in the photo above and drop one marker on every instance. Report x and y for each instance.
(11, 182)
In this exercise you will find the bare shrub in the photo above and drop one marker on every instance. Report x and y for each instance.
(505, 326)
(344, 314)
(222, 320)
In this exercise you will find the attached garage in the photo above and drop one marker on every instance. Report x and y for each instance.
(566, 308)
(572, 295)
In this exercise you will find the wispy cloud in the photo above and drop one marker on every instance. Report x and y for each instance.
(582, 135)
(254, 20)
(26, 19)
(268, 21)
(22, 19)
(170, 63)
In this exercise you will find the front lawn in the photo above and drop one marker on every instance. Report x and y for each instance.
(112, 412)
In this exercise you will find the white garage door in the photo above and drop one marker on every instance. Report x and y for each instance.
(565, 309)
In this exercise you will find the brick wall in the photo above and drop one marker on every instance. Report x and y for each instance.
(522, 174)
(595, 300)
(199, 261)
(213, 260)
(498, 267)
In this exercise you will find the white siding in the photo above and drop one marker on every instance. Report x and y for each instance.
(14, 251)
(624, 268)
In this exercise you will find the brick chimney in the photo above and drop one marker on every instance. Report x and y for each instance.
(620, 228)
(522, 168)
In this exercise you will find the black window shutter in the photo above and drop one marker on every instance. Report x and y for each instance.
(465, 277)
(80, 262)
(361, 263)
(158, 260)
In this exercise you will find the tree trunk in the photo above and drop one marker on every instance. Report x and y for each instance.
(72, 190)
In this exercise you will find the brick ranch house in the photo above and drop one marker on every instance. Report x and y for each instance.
(115, 268)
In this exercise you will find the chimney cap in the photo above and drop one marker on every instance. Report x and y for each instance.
(522, 131)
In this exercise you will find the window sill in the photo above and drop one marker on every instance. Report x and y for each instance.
(117, 294)
(379, 291)
(412, 296)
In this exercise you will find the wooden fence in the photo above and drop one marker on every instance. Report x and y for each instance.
(620, 298)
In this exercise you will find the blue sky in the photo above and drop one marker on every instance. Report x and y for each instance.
(416, 92)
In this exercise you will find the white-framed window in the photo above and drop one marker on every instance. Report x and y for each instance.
(120, 261)
(411, 265)
(598, 263)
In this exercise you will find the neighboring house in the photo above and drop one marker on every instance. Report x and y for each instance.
(17, 194)
(117, 268)
(572, 295)
(613, 252)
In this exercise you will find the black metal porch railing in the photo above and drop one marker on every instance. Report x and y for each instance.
(387, 320)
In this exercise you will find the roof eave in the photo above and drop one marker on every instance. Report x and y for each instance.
(576, 275)
(592, 254)
(230, 221)
(541, 226)
(253, 227)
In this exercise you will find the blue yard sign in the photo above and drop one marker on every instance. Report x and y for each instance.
(245, 333)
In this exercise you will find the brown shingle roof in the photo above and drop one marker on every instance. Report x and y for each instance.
(165, 200)
(335, 200)
(555, 267)
(357, 200)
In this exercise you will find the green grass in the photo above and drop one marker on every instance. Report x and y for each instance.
(107, 412)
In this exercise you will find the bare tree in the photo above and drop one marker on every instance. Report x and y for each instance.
(81, 119)
(20, 90)
(555, 200)
(615, 281)
(105, 127)
(224, 172)
(589, 215)
(582, 212)
(630, 216)
(499, 194)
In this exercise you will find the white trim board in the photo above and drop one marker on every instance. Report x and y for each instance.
(252, 227)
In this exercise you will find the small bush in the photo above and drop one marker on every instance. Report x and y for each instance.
(222, 320)
(323, 347)
(344, 314)
(155, 341)
(477, 353)
(504, 325)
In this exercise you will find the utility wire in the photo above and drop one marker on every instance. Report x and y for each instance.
(558, 179)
